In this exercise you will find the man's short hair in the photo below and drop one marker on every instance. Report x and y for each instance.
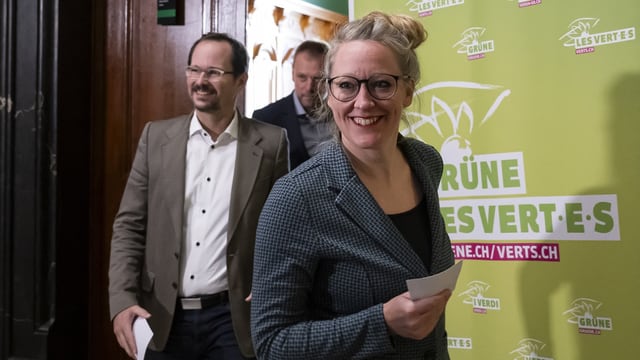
(239, 57)
(314, 48)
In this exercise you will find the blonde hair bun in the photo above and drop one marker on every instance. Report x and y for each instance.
(415, 33)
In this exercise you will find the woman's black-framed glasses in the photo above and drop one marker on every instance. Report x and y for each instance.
(380, 86)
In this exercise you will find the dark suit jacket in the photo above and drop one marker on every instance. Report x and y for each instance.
(327, 257)
(283, 114)
(147, 231)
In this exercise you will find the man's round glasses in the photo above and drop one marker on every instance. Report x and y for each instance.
(210, 74)
(380, 86)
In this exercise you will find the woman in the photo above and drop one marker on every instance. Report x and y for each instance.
(340, 235)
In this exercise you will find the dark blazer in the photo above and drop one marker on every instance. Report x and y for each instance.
(283, 114)
(147, 231)
(327, 257)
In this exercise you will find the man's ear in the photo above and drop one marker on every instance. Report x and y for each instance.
(242, 79)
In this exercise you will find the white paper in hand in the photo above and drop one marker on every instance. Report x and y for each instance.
(431, 285)
(143, 334)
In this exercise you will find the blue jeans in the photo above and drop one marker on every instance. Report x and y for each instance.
(200, 335)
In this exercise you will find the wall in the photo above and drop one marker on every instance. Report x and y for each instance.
(533, 106)
(339, 6)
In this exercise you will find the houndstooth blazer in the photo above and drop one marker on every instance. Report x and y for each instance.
(327, 257)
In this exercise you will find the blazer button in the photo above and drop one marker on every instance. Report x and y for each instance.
(174, 285)
(175, 254)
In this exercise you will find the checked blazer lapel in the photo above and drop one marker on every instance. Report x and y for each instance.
(424, 168)
(355, 200)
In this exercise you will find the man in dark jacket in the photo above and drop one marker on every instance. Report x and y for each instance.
(294, 112)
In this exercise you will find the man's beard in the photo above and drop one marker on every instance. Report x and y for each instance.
(208, 106)
(311, 102)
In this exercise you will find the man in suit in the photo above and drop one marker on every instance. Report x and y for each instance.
(295, 112)
(183, 238)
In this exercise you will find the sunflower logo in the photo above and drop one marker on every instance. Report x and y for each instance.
(453, 117)
(528, 349)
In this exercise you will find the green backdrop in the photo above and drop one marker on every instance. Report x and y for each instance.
(535, 107)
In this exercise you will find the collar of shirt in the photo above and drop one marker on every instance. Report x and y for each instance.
(231, 131)
(296, 103)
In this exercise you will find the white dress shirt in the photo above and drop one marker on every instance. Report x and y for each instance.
(210, 166)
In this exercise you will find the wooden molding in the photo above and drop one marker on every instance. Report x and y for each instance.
(306, 8)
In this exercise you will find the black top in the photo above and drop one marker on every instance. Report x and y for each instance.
(414, 227)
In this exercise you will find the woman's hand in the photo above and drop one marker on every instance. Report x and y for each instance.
(414, 319)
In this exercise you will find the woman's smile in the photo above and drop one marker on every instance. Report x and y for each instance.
(365, 121)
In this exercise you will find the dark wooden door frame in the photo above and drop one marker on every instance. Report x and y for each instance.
(56, 199)
(117, 122)
(29, 176)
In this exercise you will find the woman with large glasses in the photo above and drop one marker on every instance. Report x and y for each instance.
(340, 235)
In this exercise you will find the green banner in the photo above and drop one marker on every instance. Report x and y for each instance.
(535, 108)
